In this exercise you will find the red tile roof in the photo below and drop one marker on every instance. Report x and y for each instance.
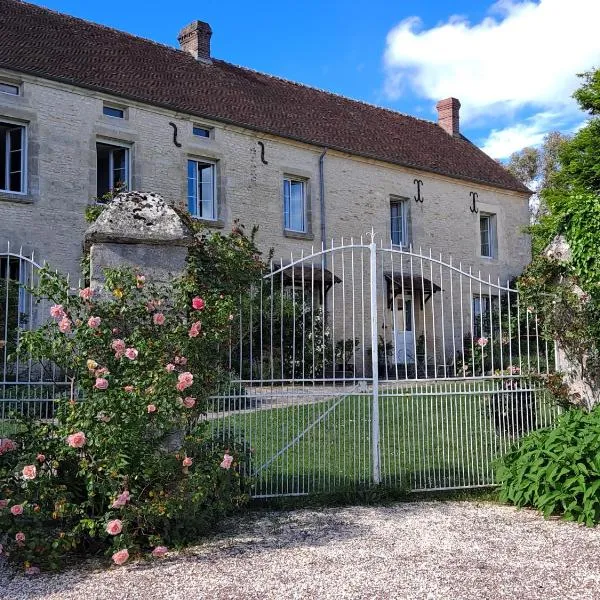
(41, 42)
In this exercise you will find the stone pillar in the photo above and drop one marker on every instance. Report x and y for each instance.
(138, 230)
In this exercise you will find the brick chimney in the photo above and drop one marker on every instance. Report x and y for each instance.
(195, 39)
(448, 118)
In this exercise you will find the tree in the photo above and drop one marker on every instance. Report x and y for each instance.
(536, 168)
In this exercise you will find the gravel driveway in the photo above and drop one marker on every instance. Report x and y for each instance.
(426, 550)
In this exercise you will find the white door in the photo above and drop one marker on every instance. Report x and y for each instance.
(404, 335)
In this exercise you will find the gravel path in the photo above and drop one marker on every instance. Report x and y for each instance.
(426, 551)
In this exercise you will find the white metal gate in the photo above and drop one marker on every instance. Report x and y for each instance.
(364, 364)
(26, 387)
(356, 365)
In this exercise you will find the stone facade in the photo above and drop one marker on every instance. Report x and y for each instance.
(64, 124)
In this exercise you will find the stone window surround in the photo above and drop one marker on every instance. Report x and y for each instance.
(193, 152)
(11, 110)
(300, 175)
(116, 133)
(495, 212)
(408, 219)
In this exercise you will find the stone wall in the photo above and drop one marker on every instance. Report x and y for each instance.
(64, 124)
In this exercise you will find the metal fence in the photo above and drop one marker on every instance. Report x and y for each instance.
(355, 365)
(365, 364)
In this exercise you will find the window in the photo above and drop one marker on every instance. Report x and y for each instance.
(9, 88)
(201, 131)
(202, 190)
(485, 315)
(12, 158)
(113, 111)
(15, 273)
(294, 205)
(487, 227)
(112, 168)
(398, 219)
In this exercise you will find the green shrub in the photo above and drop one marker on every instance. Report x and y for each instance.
(128, 464)
(557, 471)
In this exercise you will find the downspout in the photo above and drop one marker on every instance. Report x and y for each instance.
(323, 230)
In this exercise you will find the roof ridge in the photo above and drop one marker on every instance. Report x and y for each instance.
(242, 67)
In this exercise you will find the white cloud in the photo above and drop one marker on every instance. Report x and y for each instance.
(501, 143)
(524, 54)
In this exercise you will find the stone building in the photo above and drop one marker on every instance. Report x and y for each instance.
(84, 108)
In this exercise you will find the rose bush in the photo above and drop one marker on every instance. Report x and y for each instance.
(129, 465)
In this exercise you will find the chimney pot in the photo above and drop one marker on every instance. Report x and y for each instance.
(448, 117)
(195, 39)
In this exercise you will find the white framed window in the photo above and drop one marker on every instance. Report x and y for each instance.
(487, 235)
(13, 157)
(399, 221)
(112, 168)
(113, 111)
(294, 205)
(202, 189)
(10, 88)
(201, 131)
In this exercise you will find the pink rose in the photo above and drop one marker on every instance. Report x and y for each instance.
(159, 551)
(41, 458)
(119, 347)
(94, 322)
(151, 408)
(131, 353)
(122, 499)
(20, 537)
(29, 472)
(482, 342)
(3, 503)
(86, 293)
(114, 527)
(187, 461)
(226, 462)
(181, 360)
(101, 383)
(101, 371)
(128, 389)
(76, 440)
(120, 557)
(158, 319)
(198, 303)
(57, 311)
(6, 445)
(140, 280)
(195, 329)
(185, 380)
(189, 402)
(32, 571)
(170, 368)
(16, 510)
(64, 325)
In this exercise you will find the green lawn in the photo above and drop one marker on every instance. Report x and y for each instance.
(430, 437)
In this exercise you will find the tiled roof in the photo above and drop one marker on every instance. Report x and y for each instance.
(41, 42)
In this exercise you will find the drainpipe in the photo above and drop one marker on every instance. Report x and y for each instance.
(323, 230)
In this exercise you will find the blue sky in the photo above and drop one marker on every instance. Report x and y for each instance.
(507, 61)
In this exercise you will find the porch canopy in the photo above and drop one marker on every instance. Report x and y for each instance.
(411, 285)
(306, 275)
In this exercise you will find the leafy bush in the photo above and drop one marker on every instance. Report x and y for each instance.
(557, 471)
(129, 464)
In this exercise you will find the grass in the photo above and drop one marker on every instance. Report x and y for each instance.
(431, 437)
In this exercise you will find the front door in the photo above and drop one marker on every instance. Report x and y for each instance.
(404, 335)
